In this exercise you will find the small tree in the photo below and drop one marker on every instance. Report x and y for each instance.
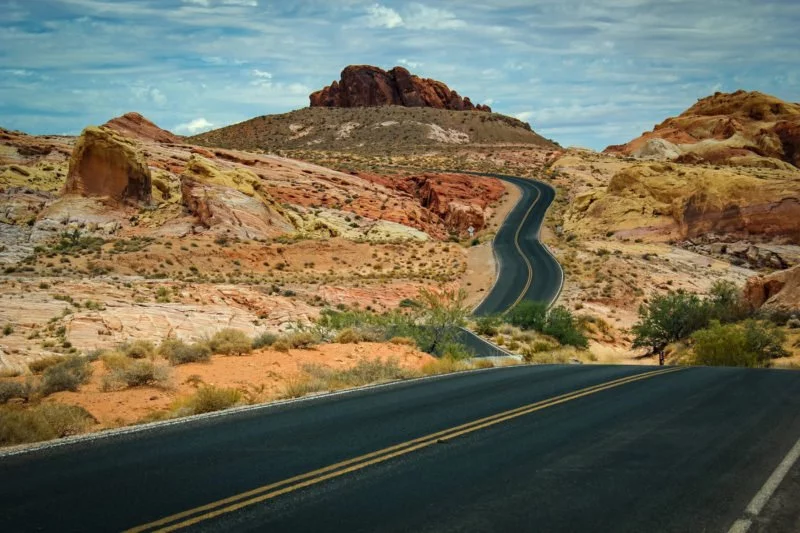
(561, 324)
(442, 314)
(751, 344)
(669, 318)
(726, 302)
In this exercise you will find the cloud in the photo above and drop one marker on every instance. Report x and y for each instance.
(409, 64)
(210, 3)
(193, 127)
(379, 16)
(422, 17)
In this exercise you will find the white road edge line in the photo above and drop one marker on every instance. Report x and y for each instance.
(767, 490)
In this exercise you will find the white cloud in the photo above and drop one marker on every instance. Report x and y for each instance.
(422, 17)
(379, 16)
(193, 127)
(409, 64)
(262, 74)
(209, 3)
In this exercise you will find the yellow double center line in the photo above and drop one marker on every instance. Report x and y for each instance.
(519, 249)
(267, 492)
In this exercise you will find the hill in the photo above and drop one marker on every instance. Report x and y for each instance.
(739, 129)
(387, 129)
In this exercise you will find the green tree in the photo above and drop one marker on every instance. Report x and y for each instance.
(668, 318)
(726, 302)
(441, 314)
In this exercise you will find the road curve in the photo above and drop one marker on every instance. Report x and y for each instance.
(531, 448)
(526, 269)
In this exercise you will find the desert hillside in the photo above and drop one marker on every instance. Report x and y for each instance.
(738, 129)
(373, 111)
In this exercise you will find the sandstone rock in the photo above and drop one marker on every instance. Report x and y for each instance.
(367, 86)
(718, 248)
(740, 129)
(104, 163)
(226, 210)
(136, 126)
(777, 291)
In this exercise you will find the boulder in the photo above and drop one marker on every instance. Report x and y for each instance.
(777, 291)
(105, 163)
(368, 86)
(136, 126)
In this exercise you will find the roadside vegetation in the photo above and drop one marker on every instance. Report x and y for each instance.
(716, 330)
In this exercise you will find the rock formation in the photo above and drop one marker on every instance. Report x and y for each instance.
(136, 126)
(674, 201)
(104, 163)
(741, 128)
(779, 291)
(368, 86)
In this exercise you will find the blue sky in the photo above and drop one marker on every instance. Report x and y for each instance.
(582, 72)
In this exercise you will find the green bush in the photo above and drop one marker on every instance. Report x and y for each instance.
(47, 421)
(209, 398)
(528, 314)
(282, 344)
(264, 339)
(561, 325)
(138, 349)
(348, 336)
(302, 339)
(67, 375)
(487, 325)
(727, 304)
(40, 365)
(230, 341)
(10, 390)
(135, 373)
(178, 352)
(749, 344)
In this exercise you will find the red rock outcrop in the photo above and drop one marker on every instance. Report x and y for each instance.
(104, 163)
(740, 128)
(777, 291)
(458, 200)
(368, 86)
(136, 126)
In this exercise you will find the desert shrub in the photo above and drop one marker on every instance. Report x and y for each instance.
(301, 386)
(303, 340)
(483, 363)
(444, 365)
(403, 341)
(528, 314)
(209, 398)
(138, 349)
(178, 352)
(282, 344)
(67, 375)
(264, 339)
(487, 325)
(47, 421)
(134, 373)
(348, 336)
(230, 341)
(561, 325)
(40, 365)
(10, 390)
(669, 318)
(558, 356)
(750, 344)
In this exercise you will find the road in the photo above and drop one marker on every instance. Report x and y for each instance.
(526, 268)
(683, 450)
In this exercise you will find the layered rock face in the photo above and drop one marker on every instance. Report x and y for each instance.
(136, 126)
(741, 128)
(777, 291)
(104, 163)
(674, 201)
(368, 86)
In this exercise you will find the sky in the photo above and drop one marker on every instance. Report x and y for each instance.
(582, 72)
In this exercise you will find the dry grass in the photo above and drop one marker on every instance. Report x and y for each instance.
(44, 422)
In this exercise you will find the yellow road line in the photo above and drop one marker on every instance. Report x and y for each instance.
(266, 492)
(519, 249)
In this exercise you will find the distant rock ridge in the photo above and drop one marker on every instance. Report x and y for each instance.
(738, 129)
(136, 126)
(368, 86)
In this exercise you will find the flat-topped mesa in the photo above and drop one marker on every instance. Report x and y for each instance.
(368, 86)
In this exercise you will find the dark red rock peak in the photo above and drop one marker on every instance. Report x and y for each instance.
(368, 86)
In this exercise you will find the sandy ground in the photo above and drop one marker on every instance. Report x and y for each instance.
(261, 376)
(479, 276)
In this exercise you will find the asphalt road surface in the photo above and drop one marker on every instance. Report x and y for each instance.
(531, 448)
(526, 270)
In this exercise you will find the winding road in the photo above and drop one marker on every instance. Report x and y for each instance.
(549, 448)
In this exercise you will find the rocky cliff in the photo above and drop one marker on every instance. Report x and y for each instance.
(740, 128)
(368, 86)
(779, 291)
(136, 126)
